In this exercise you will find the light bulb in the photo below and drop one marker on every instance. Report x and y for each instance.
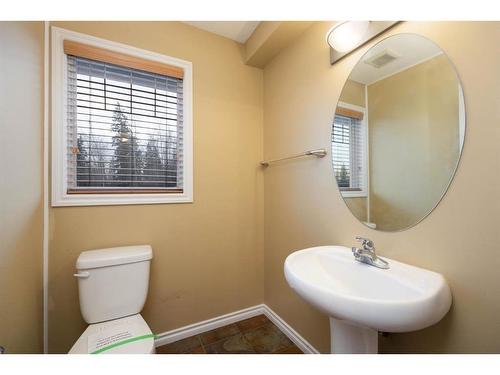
(345, 36)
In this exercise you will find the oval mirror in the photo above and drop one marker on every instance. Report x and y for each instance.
(398, 132)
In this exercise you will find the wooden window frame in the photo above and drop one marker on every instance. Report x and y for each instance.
(96, 48)
(349, 112)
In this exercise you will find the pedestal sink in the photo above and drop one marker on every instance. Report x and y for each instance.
(361, 299)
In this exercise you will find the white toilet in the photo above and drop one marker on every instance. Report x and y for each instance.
(113, 285)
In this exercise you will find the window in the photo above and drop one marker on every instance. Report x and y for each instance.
(349, 150)
(122, 124)
(124, 129)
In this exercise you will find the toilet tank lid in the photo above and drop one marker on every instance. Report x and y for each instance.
(113, 256)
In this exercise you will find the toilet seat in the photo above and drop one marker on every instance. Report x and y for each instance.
(143, 345)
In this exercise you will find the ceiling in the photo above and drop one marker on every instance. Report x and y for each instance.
(412, 50)
(239, 31)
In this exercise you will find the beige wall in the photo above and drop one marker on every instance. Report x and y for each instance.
(21, 186)
(358, 207)
(354, 93)
(269, 38)
(304, 208)
(208, 256)
(413, 115)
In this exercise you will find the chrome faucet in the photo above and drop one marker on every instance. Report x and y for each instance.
(367, 254)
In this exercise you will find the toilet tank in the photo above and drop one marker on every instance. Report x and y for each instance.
(113, 283)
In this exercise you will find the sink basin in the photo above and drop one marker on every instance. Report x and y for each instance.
(362, 299)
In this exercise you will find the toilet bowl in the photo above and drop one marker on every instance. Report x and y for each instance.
(112, 287)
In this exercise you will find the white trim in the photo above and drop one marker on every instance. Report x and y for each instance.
(45, 245)
(292, 334)
(59, 183)
(364, 192)
(461, 117)
(367, 124)
(404, 68)
(223, 320)
(207, 325)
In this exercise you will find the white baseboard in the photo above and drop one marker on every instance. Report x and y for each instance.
(292, 334)
(236, 316)
(207, 325)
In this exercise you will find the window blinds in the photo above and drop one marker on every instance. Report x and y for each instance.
(124, 128)
(348, 152)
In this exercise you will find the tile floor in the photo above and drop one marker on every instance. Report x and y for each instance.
(257, 335)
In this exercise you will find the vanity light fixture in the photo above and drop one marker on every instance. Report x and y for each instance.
(345, 37)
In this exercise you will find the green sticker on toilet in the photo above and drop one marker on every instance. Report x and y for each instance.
(123, 342)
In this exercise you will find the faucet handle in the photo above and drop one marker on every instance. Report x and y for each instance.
(367, 243)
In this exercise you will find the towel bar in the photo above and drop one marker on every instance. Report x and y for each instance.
(320, 153)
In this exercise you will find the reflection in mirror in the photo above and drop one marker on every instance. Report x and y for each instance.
(398, 132)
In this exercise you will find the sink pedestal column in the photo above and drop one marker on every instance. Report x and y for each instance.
(348, 338)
